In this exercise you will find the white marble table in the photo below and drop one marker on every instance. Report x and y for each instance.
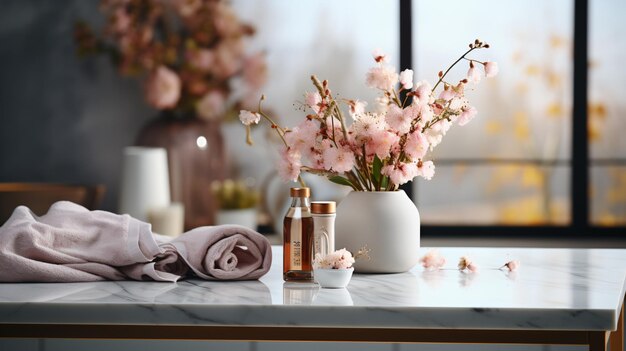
(559, 296)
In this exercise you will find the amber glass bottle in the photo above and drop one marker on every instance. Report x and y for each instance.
(298, 237)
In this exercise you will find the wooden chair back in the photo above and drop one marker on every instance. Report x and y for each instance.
(40, 196)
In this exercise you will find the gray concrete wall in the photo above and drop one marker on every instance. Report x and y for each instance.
(62, 119)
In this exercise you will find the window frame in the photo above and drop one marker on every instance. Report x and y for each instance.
(580, 219)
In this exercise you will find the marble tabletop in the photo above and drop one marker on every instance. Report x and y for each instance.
(555, 289)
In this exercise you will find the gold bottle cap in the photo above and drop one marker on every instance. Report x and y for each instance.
(323, 207)
(300, 192)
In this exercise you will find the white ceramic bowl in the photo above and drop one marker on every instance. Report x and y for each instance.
(333, 278)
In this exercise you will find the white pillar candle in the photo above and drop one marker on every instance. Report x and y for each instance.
(167, 220)
(145, 181)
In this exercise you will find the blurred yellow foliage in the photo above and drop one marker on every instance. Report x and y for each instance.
(617, 193)
(594, 131)
(597, 110)
(597, 114)
(557, 41)
(525, 211)
(521, 88)
(529, 210)
(532, 177)
(533, 70)
(521, 128)
(554, 79)
(501, 176)
(554, 110)
(460, 171)
(607, 220)
(493, 127)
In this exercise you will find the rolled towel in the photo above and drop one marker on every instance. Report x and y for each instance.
(73, 244)
(225, 252)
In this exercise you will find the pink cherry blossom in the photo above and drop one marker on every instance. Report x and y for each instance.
(400, 173)
(340, 259)
(382, 77)
(435, 133)
(228, 58)
(442, 126)
(465, 263)
(467, 114)
(447, 93)
(458, 102)
(255, 71)
(333, 129)
(201, 59)
(122, 20)
(313, 100)
(248, 118)
(426, 114)
(416, 145)
(365, 124)
(472, 267)
(406, 79)
(426, 169)
(226, 21)
(398, 119)
(163, 88)
(512, 266)
(472, 74)
(339, 159)
(212, 105)
(433, 260)
(422, 95)
(383, 102)
(302, 137)
(381, 142)
(357, 107)
(289, 164)
(491, 69)
(187, 8)
(380, 56)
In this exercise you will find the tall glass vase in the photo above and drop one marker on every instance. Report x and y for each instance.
(196, 157)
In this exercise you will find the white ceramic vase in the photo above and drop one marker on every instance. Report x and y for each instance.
(387, 223)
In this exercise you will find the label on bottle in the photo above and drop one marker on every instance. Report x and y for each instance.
(296, 244)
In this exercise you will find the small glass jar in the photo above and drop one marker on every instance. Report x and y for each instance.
(324, 214)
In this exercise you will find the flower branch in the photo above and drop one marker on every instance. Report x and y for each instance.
(377, 151)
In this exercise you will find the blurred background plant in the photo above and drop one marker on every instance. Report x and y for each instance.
(234, 194)
(189, 53)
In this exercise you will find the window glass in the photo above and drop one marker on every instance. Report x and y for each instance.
(608, 195)
(505, 194)
(607, 111)
(523, 114)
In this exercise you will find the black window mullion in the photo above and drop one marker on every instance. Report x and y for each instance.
(580, 144)
(406, 58)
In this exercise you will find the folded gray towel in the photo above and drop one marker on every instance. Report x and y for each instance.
(73, 244)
